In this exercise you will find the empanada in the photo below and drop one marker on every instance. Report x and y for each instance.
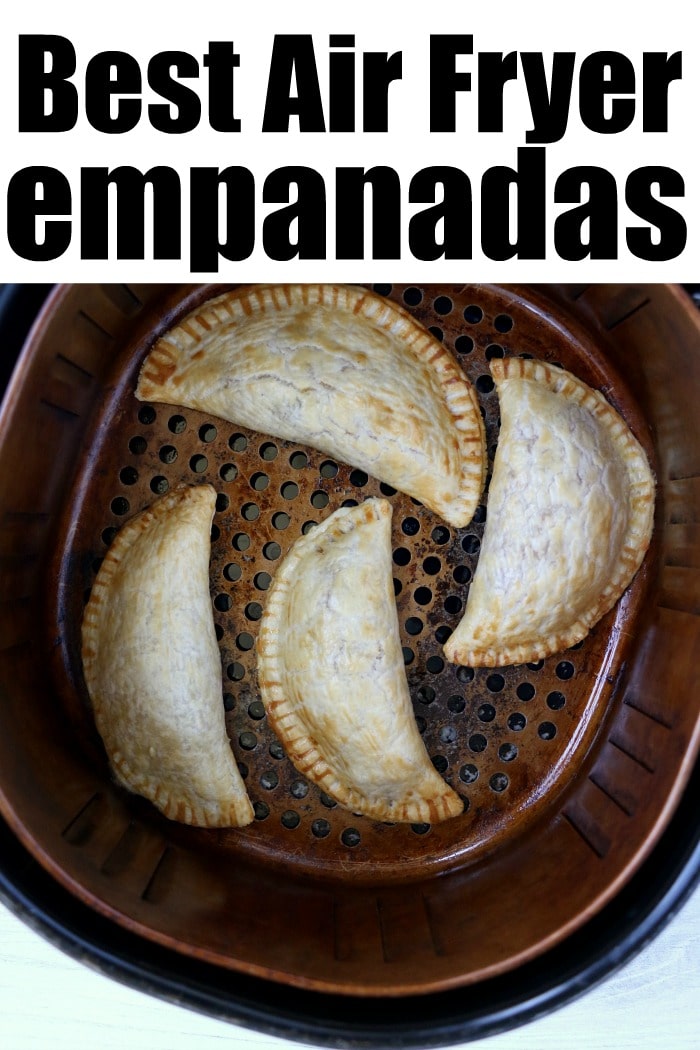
(570, 516)
(152, 665)
(336, 368)
(332, 675)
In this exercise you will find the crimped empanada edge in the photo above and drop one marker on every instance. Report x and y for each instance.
(639, 531)
(184, 810)
(163, 368)
(300, 747)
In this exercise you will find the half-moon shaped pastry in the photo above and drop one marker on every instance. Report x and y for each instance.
(332, 676)
(336, 368)
(570, 516)
(152, 665)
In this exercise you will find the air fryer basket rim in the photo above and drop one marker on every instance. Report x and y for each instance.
(627, 923)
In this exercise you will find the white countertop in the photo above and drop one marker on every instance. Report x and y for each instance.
(48, 1001)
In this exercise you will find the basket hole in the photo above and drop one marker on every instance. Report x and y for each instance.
(517, 722)
(241, 541)
(176, 424)
(498, 782)
(408, 655)
(465, 674)
(426, 694)
(468, 773)
(440, 762)
(268, 451)
(250, 511)
(412, 296)
(159, 485)
(229, 701)
(452, 604)
(461, 574)
(358, 478)
(207, 433)
(401, 556)
(222, 502)
(546, 730)
(262, 580)
(308, 526)
(272, 551)
(564, 670)
(269, 780)
(128, 476)
(507, 752)
(327, 801)
(280, 520)
(199, 463)
(503, 323)
(464, 344)
(398, 587)
(248, 740)
(477, 743)
(290, 819)
(456, 704)
(108, 535)
(256, 710)
(414, 625)
(298, 460)
(289, 490)
(432, 565)
(423, 595)
(119, 505)
(253, 611)
(235, 671)
(232, 571)
(473, 314)
(440, 534)
(259, 481)
(320, 828)
(147, 415)
(238, 442)
(443, 305)
(138, 445)
(493, 350)
(420, 829)
(486, 713)
(435, 664)
(495, 683)
(525, 691)
(351, 837)
(276, 750)
(299, 789)
(222, 602)
(471, 544)
(229, 472)
(319, 499)
(448, 735)
(261, 810)
(387, 490)
(328, 469)
(244, 641)
(442, 633)
(437, 332)
(555, 701)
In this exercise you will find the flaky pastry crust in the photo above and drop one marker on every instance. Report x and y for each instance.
(570, 517)
(332, 676)
(336, 368)
(152, 665)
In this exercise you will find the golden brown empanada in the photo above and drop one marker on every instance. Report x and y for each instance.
(570, 516)
(332, 674)
(152, 664)
(336, 368)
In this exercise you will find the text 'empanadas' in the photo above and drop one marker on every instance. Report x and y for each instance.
(332, 674)
(338, 369)
(152, 665)
(570, 516)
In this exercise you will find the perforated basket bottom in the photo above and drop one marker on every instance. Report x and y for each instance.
(507, 740)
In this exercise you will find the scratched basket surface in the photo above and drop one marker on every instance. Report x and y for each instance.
(568, 768)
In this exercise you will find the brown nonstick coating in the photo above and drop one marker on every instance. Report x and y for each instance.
(568, 768)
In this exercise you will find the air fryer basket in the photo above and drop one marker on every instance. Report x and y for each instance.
(570, 768)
